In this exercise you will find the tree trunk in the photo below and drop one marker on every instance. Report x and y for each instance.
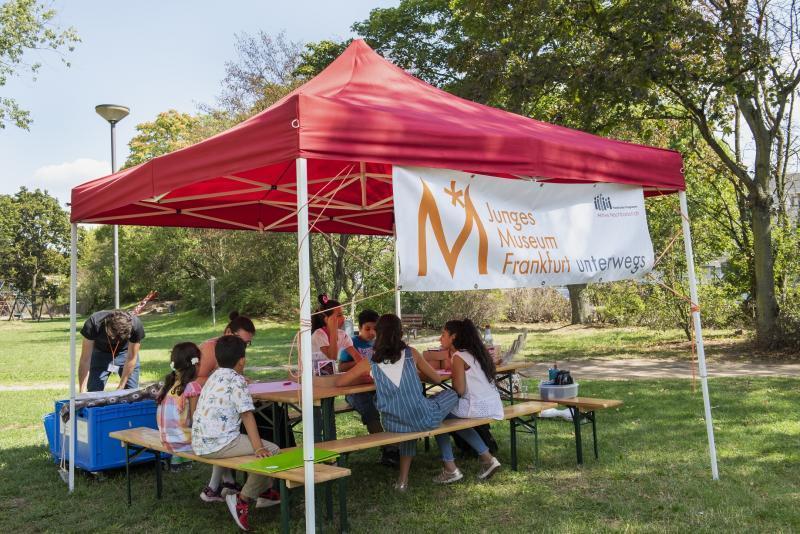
(338, 256)
(315, 277)
(579, 302)
(764, 266)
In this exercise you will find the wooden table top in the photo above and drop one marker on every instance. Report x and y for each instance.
(324, 387)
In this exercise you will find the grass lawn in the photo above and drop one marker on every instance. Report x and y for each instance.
(652, 475)
(38, 353)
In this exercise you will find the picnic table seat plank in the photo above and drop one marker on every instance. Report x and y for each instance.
(380, 439)
(587, 403)
(150, 439)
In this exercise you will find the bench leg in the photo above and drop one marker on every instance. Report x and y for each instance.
(285, 506)
(318, 506)
(343, 526)
(535, 430)
(158, 473)
(576, 421)
(592, 415)
(513, 423)
(128, 471)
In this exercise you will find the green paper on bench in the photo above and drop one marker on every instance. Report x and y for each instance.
(287, 460)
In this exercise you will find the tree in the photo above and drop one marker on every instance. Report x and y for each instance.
(34, 240)
(26, 26)
(625, 62)
(261, 75)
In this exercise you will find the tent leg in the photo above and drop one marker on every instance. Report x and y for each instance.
(73, 290)
(304, 272)
(698, 332)
(397, 304)
(116, 267)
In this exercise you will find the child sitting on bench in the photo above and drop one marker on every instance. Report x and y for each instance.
(177, 402)
(364, 403)
(473, 373)
(224, 405)
(403, 406)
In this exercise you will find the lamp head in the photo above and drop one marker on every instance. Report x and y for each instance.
(112, 112)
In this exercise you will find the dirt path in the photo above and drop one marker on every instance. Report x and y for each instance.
(652, 369)
(632, 369)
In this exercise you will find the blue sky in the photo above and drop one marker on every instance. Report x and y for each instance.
(148, 55)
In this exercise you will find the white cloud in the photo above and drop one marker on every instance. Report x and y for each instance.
(59, 179)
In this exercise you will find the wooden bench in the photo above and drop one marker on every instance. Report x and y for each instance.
(411, 323)
(522, 415)
(583, 411)
(139, 440)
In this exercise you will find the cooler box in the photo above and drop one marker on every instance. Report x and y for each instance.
(95, 450)
(553, 392)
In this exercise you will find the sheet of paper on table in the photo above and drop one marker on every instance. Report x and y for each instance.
(273, 387)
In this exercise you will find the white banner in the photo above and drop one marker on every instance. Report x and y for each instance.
(457, 230)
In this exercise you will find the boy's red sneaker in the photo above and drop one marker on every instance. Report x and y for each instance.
(240, 510)
(268, 498)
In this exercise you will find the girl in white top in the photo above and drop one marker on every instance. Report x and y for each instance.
(327, 337)
(473, 373)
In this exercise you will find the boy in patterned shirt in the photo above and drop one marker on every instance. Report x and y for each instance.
(224, 405)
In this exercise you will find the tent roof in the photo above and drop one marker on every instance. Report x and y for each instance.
(352, 122)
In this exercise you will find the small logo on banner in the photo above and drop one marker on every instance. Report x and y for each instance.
(429, 213)
(602, 202)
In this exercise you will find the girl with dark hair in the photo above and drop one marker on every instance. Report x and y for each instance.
(177, 402)
(327, 336)
(403, 406)
(239, 326)
(473, 373)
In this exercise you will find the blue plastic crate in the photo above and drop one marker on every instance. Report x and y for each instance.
(95, 450)
(49, 421)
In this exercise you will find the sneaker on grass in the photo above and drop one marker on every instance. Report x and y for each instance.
(448, 477)
(229, 487)
(268, 498)
(210, 495)
(240, 510)
(488, 469)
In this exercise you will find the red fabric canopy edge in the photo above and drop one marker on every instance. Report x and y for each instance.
(361, 109)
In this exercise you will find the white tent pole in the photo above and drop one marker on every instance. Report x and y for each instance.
(698, 332)
(397, 303)
(116, 228)
(116, 267)
(73, 290)
(304, 265)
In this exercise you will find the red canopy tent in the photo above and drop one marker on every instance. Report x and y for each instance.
(334, 141)
(358, 117)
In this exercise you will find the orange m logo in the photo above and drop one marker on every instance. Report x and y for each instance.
(429, 211)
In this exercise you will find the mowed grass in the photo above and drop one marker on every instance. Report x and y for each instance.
(652, 475)
(38, 353)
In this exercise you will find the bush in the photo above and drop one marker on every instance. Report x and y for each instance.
(537, 305)
(789, 323)
(437, 308)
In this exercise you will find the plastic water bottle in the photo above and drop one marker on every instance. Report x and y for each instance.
(487, 337)
(552, 372)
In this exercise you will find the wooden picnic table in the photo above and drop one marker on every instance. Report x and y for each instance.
(325, 392)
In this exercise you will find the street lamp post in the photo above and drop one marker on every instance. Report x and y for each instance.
(113, 114)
